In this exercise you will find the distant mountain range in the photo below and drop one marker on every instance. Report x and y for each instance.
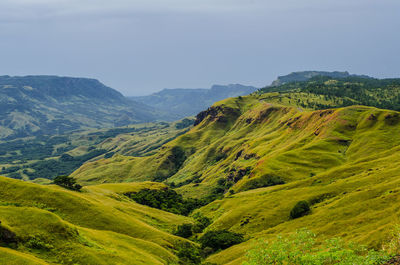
(306, 75)
(34, 105)
(182, 102)
(49, 105)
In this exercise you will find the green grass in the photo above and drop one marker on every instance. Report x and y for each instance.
(96, 226)
(345, 161)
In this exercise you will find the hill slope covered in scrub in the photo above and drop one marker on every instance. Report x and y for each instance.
(257, 156)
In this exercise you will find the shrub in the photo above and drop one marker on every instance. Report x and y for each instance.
(188, 254)
(264, 181)
(301, 248)
(201, 223)
(220, 239)
(300, 209)
(67, 182)
(165, 199)
(184, 230)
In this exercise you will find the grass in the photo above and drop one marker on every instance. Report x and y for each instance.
(96, 226)
(344, 161)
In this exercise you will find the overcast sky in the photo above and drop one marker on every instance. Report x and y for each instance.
(141, 46)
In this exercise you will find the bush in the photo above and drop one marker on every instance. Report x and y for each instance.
(300, 209)
(67, 182)
(218, 240)
(166, 200)
(184, 230)
(188, 254)
(201, 223)
(264, 181)
(301, 248)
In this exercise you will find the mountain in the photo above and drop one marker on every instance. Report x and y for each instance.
(306, 75)
(256, 168)
(181, 102)
(252, 159)
(36, 105)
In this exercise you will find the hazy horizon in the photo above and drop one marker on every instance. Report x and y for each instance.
(141, 47)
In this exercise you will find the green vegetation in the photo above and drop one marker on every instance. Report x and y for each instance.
(96, 226)
(184, 230)
(220, 239)
(67, 182)
(302, 248)
(300, 209)
(166, 200)
(341, 92)
(47, 157)
(252, 168)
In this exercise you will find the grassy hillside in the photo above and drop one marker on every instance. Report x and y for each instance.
(96, 226)
(259, 155)
(42, 158)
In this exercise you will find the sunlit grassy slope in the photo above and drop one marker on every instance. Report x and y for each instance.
(96, 226)
(344, 161)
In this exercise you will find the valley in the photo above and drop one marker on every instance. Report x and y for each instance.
(318, 153)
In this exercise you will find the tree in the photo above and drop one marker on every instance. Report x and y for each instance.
(220, 239)
(67, 182)
(184, 230)
(300, 209)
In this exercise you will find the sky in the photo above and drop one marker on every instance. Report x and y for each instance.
(142, 46)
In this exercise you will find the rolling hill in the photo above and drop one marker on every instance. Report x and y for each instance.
(51, 225)
(255, 157)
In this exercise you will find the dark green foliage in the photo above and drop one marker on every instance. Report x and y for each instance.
(67, 182)
(188, 254)
(201, 222)
(63, 166)
(166, 200)
(7, 236)
(264, 181)
(380, 93)
(184, 230)
(221, 239)
(37, 242)
(300, 209)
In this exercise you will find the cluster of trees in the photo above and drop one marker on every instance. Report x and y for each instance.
(341, 92)
(65, 165)
(166, 200)
(188, 230)
(67, 182)
(210, 242)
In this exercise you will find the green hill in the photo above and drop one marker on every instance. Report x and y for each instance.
(301, 155)
(261, 154)
(41, 158)
(96, 226)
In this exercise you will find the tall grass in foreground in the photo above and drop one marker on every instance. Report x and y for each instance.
(302, 248)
